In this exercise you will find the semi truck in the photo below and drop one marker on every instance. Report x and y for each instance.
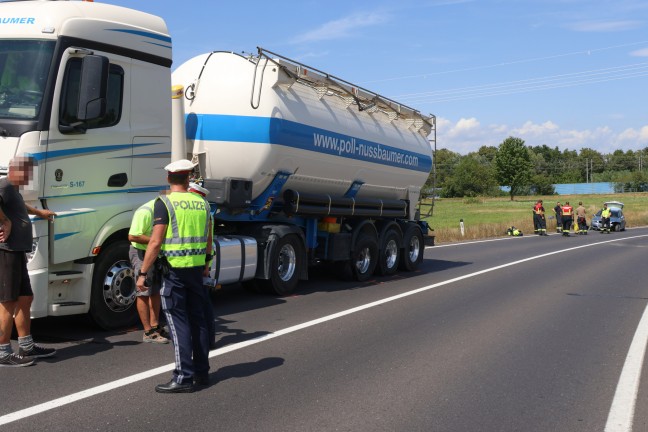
(303, 167)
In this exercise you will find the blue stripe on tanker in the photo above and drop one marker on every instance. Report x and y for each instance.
(266, 130)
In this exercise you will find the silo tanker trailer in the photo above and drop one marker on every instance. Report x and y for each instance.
(306, 166)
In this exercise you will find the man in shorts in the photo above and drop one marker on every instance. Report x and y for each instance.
(15, 288)
(148, 301)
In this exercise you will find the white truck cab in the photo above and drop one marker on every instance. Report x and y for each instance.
(100, 148)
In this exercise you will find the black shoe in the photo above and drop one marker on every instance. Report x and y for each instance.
(37, 351)
(201, 380)
(15, 360)
(174, 387)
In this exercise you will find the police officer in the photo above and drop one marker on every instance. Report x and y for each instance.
(181, 233)
(209, 310)
(567, 218)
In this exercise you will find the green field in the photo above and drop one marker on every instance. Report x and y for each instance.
(490, 217)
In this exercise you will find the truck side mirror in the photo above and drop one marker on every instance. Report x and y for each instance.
(93, 87)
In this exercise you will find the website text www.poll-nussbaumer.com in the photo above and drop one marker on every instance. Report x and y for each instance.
(372, 151)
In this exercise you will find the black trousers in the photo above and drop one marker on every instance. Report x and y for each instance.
(183, 302)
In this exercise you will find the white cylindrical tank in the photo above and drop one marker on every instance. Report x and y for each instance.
(251, 117)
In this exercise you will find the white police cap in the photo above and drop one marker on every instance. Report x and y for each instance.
(195, 187)
(180, 166)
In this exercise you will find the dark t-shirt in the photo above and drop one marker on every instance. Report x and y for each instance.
(13, 206)
(160, 213)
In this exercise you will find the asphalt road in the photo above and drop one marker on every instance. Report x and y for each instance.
(515, 334)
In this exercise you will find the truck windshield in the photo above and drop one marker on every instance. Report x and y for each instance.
(24, 65)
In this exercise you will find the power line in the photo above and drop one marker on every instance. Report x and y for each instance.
(533, 84)
(506, 63)
(594, 72)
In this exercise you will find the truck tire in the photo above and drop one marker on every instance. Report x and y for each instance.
(363, 261)
(112, 300)
(390, 253)
(285, 265)
(413, 248)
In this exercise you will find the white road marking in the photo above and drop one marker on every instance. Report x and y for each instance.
(65, 400)
(473, 242)
(461, 243)
(621, 414)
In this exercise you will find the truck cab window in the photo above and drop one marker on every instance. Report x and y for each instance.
(70, 97)
(24, 66)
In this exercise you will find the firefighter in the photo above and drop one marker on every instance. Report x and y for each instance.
(567, 218)
(558, 211)
(581, 218)
(605, 219)
(539, 222)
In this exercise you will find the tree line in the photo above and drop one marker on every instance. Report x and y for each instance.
(529, 170)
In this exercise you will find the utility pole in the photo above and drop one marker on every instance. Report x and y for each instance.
(592, 170)
(640, 160)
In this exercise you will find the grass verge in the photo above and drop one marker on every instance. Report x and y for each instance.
(490, 217)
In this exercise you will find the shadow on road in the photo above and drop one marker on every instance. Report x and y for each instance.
(81, 335)
(230, 299)
(229, 336)
(243, 370)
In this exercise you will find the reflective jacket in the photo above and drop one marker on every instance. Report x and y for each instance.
(567, 210)
(185, 242)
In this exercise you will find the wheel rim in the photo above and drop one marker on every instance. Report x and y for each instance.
(364, 260)
(119, 287)
(287, 262)
(391, 254)
(414, 248)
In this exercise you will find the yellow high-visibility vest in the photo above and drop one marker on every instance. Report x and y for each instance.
(185, 242)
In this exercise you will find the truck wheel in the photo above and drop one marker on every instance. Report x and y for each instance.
(285, 265)
(364, 258)
(413, 248)
(113, 289)
(390, 253)
(362, 263)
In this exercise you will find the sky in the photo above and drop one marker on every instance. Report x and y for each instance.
(571, 74)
